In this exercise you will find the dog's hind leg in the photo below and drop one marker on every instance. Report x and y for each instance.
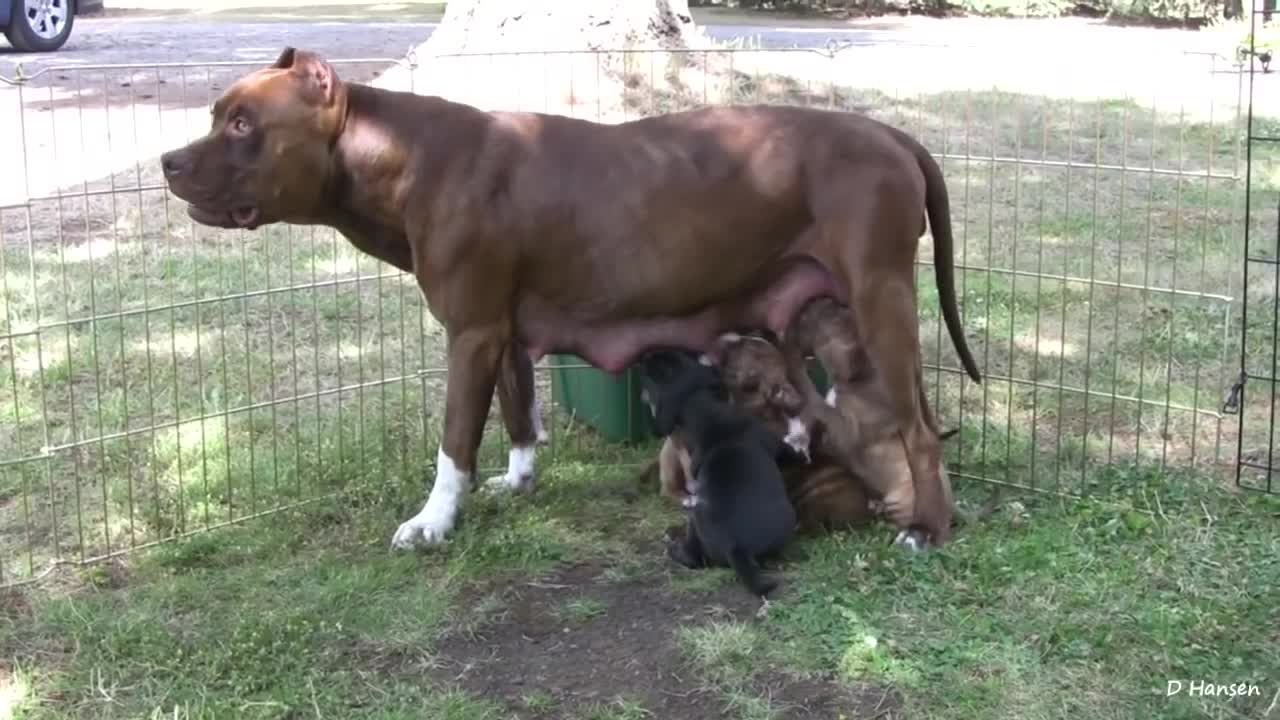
(878, 233)
(474, 359)
(749, 572)
(518, 402)
(673, 465)
(688, 550)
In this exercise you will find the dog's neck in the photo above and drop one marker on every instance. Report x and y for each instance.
(364, 157)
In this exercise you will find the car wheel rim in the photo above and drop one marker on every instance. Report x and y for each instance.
(46, 18)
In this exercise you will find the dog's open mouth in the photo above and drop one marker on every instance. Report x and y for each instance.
(244, 216)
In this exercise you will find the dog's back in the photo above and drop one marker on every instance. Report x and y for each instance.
(742, 510)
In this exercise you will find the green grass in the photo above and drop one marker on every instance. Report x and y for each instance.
(1051, 609)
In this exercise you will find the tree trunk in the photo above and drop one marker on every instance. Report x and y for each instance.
(556, 56)
(546, 25)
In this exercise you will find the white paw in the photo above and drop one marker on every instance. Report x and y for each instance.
(911, 540)
(797, 437)
(434, 522)
(425, 528)
(831, 396)
(508, 483)
(689, 502)
(519, 475)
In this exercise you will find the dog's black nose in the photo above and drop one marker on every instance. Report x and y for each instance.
(174, 163)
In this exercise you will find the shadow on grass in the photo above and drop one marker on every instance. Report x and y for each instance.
(1046, 608)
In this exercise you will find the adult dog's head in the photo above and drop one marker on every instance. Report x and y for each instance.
(268, 156)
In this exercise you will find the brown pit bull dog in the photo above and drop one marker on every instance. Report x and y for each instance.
(531, 233)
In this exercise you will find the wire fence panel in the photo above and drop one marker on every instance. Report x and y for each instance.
(1255, 396)
(160, 378)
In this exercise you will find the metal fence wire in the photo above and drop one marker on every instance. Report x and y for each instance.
(158, 378)
(1255, 393)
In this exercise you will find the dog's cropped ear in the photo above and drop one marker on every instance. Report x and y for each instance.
(318, 76)
(285, 61)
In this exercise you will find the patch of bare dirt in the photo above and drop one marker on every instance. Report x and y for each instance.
(533, 648)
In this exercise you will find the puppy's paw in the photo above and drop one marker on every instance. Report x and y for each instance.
(688, 502)
(763, 612)
(797, 438)
(912, 539)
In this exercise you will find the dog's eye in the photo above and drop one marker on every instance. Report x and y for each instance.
(239, 126)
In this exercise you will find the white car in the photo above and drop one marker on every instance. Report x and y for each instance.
(41, 25)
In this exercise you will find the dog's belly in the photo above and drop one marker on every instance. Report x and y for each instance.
(613, 341)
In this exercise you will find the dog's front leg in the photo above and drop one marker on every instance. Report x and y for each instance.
(474, 357)
(522, 418)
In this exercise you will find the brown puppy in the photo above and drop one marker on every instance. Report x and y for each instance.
(823, 493)
(856, 432)
(659, 231)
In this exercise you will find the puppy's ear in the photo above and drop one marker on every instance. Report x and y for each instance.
(318, 77)
(716, 355)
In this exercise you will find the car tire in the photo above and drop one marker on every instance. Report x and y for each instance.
(40, 25)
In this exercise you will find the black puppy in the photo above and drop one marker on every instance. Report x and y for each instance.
(739, 512)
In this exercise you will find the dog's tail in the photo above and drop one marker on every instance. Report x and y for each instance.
(750, 574)
(938, 210)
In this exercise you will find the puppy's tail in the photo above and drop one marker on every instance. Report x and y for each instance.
(749, 573)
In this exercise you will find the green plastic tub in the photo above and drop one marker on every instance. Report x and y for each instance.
(611, 404)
